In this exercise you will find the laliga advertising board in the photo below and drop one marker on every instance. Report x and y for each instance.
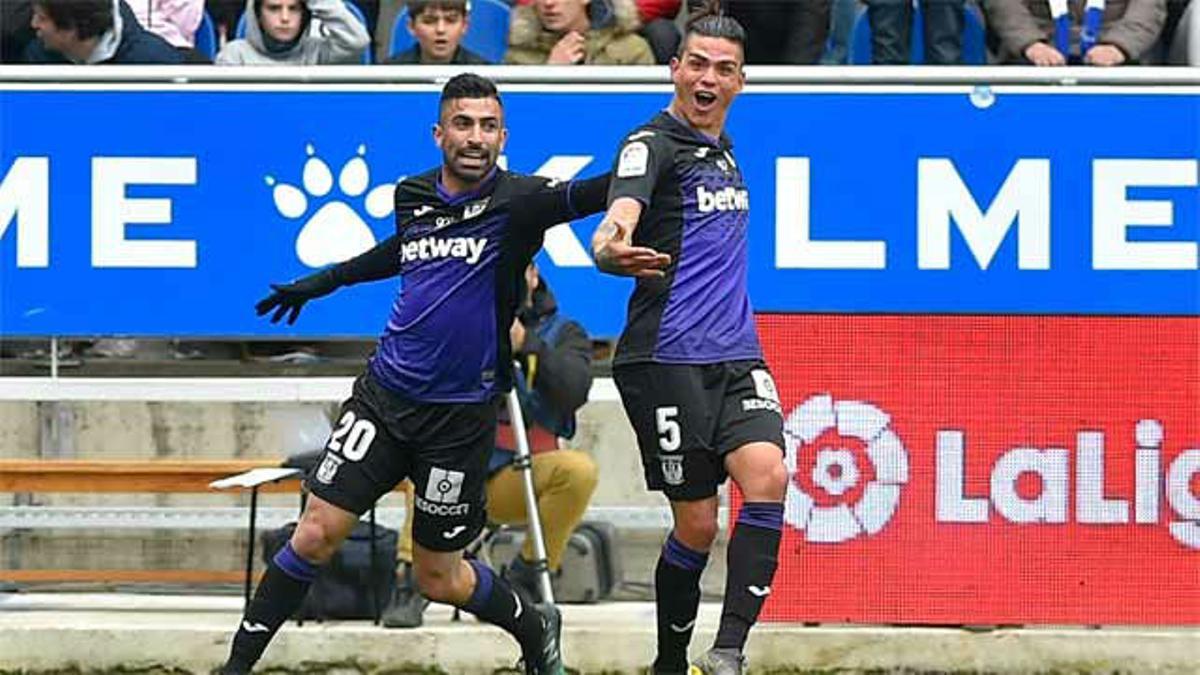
(988, 469)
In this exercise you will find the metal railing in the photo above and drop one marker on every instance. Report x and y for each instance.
(543, 77)
(234, 517)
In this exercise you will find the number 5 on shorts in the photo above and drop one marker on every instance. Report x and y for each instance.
(669, 438)
(353, 437)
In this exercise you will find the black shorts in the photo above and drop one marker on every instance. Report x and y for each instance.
(381, 438)
(688, 417)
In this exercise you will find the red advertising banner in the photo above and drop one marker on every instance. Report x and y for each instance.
(989, 469)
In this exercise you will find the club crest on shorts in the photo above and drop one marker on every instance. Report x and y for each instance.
(672, 469)
(329, 468)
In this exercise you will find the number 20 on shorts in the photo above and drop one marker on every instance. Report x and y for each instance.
(353, 436)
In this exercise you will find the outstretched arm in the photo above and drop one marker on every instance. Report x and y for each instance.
(380, 262)
(541, 210)
(637, 169)
(612, 243)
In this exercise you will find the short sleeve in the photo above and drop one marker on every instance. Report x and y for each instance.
(638, 166)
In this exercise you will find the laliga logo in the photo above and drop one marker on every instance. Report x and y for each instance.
(1052, 468)
(854, 486)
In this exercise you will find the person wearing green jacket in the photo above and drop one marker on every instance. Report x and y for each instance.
(577, 32)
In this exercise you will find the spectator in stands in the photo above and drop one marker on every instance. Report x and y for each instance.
(277, 33)
(370, 11)
(224, 14)
(1182, 35)
(780, 31)
(842, 16)
(438, 27)
(555, 357)
(891, 24)
(93, 32)
(658, 26)
(15, 30)
(659, 29)
(1027, 33)
(591, 32)
(175, 21)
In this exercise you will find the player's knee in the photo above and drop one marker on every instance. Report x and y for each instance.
(436, 583)
(775, 480)
(321, 531)
(315, 541)
(696, 530)
(765, 482)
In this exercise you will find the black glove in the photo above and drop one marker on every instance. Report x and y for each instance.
(293, 296)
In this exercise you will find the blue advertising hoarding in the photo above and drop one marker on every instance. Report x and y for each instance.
(168, 211)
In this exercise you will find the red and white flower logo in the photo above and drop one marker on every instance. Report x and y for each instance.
(847, 468)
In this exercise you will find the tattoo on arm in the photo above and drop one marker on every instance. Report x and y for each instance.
(605, 234)
(616, 232)
(607, 231)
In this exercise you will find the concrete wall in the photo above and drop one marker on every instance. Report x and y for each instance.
(121, 430)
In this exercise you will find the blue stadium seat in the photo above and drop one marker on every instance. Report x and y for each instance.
(240, 32)
(487, 35)
(205, 39)
(401, 40)
(974, 45)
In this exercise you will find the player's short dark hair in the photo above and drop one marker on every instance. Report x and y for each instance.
(416, 7)
(89, 18)
(468, 85)
(711, 21)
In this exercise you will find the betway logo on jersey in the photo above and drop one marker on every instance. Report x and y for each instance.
(725, 199)
(470, 249)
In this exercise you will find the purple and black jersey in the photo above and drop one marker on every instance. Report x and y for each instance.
(697, 209)
(462, 258)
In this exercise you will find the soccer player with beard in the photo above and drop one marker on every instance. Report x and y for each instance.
(689, 365)
(426, 407)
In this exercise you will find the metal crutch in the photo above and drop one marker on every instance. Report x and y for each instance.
(524, 464)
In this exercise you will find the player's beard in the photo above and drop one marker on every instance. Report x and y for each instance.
(470, 170)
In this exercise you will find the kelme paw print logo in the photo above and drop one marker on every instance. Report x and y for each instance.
(336, 231)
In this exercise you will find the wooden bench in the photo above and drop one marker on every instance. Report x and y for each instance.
(147, 475)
